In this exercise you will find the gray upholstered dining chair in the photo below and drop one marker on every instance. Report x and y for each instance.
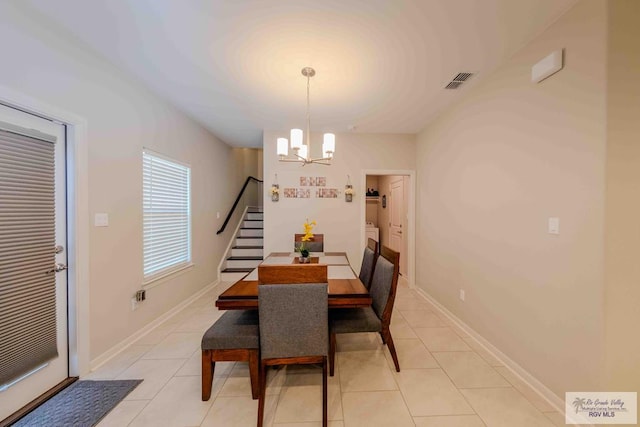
(233, 337)
(370, 319)
(315, 245)
(369, 259)
(293, 330)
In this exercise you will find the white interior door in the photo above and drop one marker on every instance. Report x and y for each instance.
(396, 216)
(18, 392)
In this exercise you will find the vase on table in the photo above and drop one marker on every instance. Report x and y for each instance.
(304, 256)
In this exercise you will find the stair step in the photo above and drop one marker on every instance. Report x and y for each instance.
(254, 251)
(252, 224)
(243, 262)
(237, 270)
(251, 232)
(249, 241)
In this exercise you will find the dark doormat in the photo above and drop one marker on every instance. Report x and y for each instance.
(83, 403)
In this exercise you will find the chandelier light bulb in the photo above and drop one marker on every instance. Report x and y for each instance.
(283, 147)
(296, 138)
(329, 145)
(303, 152)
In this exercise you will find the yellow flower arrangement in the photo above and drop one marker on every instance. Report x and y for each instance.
(308, 230)
(308, 235)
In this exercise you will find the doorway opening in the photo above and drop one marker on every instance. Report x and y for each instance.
(388, 215)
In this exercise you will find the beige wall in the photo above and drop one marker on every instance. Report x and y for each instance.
(491, 171)
(122, 117)
(248, 162)
(622, 279)
(339, 221)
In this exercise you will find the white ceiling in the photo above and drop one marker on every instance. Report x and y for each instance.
(234, 65)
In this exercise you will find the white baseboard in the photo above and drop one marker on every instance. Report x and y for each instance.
(556, 402)
(122, 345)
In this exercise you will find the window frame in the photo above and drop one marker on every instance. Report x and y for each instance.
(168, 270)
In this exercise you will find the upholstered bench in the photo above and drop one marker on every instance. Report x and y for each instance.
(235, 336)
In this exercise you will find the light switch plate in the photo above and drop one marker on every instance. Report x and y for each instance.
(554, 225)
(101, 220)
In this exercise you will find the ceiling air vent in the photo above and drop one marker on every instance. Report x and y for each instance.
(458, 80)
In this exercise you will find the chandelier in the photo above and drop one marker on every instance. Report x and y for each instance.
(302, 150)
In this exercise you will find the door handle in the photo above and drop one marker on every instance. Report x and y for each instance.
(58, 268)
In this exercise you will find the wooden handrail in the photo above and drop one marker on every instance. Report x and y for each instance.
(235, 204)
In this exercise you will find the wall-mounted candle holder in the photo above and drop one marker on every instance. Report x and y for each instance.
(275, 190)
(348, 191)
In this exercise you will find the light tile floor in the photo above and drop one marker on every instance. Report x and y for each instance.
(447, 379)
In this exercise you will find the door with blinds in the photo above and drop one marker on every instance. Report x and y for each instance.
(33, 280)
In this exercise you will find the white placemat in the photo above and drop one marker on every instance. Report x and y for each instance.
(333, 272)
(334, 260)
(253, 275)
(297, 254)
(340, 272)
(272, 260)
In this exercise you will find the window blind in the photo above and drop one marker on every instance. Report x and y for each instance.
(166, 215)
(27, 252)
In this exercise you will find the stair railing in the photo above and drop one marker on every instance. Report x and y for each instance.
(235, 204)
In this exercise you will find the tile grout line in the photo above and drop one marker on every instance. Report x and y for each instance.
(442, 314)
(451, 379)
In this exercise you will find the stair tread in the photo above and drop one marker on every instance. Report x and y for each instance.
(248, 237)
(245, 258)
(247, 247)
(238, 270)
(253, 219)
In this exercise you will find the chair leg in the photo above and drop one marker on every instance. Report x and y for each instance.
(208, 367)
(254, 373)
(392, 349)
(263, 386)
(332, 353)
(324, 393)
(383, 338)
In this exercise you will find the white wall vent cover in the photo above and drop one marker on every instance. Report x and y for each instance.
(458, 80)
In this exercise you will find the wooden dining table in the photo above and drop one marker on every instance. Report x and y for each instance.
(345, 288)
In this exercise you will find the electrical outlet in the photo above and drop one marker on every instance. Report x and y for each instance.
(462, 295)
(134, 304)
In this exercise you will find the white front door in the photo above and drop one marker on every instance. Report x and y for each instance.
(19, 391)
(396, 215)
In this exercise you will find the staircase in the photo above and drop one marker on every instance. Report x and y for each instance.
(247, 250)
